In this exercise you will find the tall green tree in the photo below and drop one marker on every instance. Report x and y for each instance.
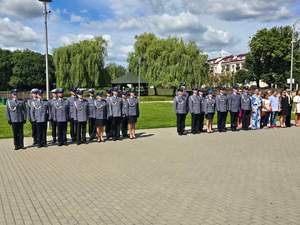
(270, 55)
(81, 64)
(28, 70)
(167, 62)
(5, 68)
(114, 71)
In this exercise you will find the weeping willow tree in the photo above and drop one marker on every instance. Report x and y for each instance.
(81, 64)
(167, 62)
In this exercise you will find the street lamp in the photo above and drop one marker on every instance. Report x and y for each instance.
(46, 12)
(139, 81)
(292, 53)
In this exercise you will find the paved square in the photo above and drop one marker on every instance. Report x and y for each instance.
(230, 178)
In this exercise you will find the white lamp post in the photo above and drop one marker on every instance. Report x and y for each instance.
(46, 12)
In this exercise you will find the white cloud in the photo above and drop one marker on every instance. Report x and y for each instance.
(73, 38)
(108, 39)
(242, 10)
(14, 34)
(186, 25)
(24, 8)
(75, 18)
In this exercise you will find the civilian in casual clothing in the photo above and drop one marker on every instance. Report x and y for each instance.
(297, 108)
(274, 102)
(266, 111)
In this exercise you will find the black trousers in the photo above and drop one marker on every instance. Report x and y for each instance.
(81, 132)
(115, 127)
(180, 123)
(41, 134)
(201, 121)
(108, 128)
(195, 123)
(246, 116)
(222, 116)
(73, 129)
(54, 130)
(62, 133)
(234, 120)
(92, 128)
(124, 126)
(18, 132)
(288, 118)
(34, 132)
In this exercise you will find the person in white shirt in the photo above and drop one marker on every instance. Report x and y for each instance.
(297, 108)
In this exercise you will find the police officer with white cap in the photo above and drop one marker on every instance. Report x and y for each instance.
(16, 116)
(39, 113)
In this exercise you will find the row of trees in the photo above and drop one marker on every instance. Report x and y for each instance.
(269, 58)
(23, 69)
(167, 62)
(162, 62)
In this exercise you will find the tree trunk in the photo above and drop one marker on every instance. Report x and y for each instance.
(155, 91)
(174, 91)
(257, 83)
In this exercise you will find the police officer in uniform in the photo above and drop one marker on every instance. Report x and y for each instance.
(234, 106)
(82, 115)
(91, 113)
(181, 108)
(222, 107)
(52, 118)
(72, 112)
(62, 116)
(109, 118)
(246, 109)
(33, 98)
(124, 120)
(195, 110)
(202, 111)
(209, 108)
(39, 113)
(101, 115)
(133, 113)
(115, 112)
(16, 116)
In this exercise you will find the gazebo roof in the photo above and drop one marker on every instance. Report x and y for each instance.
(129, 78)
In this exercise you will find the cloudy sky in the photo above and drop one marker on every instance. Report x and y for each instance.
(217, 26)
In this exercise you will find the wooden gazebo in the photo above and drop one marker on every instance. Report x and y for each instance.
(129, 81)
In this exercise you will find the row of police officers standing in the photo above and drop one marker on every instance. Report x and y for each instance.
(113, 112)
(206, 106)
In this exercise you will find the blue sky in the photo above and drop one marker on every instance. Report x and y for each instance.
(219, 27)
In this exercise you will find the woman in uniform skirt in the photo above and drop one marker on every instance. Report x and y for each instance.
(133, 113)
(210, 108)
(100, 115)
